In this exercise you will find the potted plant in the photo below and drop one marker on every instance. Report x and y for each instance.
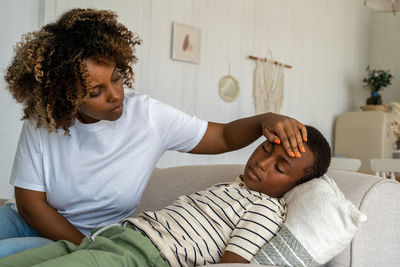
(375, 81)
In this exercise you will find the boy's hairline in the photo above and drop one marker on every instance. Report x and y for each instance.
(310, 169)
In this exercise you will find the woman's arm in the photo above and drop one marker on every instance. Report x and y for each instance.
(34, 209)
(221, 138)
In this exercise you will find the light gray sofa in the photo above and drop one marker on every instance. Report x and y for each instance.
(377, 242)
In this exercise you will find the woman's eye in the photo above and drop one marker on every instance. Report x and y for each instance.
(116, 78)
(95, 92)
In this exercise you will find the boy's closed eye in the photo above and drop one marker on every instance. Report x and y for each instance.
(265, 149)
(270, 150)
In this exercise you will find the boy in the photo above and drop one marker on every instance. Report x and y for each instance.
(227, 222)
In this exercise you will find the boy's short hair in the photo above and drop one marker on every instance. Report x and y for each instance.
(321, 150)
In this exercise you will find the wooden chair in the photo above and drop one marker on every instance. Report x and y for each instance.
(382, 167)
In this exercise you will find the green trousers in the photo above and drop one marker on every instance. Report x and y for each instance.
(117, 246)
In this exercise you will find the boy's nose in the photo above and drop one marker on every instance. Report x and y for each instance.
(264, 163)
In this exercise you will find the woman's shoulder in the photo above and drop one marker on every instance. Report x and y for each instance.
(133, 96)
(138, 101)
(31, 125)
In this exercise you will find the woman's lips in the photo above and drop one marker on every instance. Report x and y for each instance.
(253, 176)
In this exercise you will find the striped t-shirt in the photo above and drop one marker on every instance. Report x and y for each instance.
(196, 229)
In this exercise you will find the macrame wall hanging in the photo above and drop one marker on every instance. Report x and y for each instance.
(268, 84)
(384, 6)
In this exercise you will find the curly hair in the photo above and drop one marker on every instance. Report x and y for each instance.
(48, 72)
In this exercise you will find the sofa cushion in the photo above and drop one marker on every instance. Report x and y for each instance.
(320, 223)
(167, 184)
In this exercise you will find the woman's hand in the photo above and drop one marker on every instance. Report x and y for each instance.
(286, 131)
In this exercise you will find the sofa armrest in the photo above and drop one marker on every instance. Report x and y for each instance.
(377, 243)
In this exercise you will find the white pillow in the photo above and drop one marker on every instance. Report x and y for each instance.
(320, 223)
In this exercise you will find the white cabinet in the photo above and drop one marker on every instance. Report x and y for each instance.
(364, 135)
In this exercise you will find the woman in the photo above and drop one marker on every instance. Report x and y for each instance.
(86, 150)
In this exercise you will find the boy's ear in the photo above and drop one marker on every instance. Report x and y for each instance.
(306, 175)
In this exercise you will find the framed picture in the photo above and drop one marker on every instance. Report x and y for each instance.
(185, 43)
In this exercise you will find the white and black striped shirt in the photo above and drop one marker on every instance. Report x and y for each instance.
(198, 228)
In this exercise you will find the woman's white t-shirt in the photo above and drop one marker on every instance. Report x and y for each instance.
(97, 175)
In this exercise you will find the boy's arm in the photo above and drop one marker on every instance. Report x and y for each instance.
(230, 257)
(256, 227)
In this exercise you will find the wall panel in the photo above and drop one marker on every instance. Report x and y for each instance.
(327, 42)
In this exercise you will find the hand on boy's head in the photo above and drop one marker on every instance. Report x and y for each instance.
(286, 131)
(272, 171)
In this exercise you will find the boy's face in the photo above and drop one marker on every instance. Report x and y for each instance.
(270, 170)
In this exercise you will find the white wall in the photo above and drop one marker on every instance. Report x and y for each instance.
(16, 18)
(327, 42)
(385, 54)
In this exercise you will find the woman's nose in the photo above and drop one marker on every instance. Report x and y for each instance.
(114, 94)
